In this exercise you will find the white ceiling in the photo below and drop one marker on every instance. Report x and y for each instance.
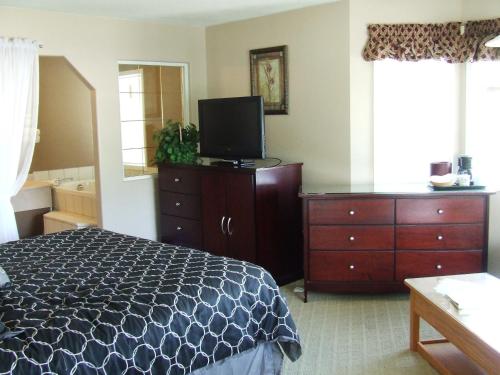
(190, 12)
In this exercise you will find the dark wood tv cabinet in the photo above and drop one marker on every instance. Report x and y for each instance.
(359, 239)
(246, 213)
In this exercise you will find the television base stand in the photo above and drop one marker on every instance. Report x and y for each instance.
(233, 163)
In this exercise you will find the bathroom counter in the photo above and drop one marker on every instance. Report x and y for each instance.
(30, 204)
(32, 196)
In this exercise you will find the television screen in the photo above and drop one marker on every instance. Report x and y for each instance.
(232, 128)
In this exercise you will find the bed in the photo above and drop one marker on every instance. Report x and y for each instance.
(91, 301)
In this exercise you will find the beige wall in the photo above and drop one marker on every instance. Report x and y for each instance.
(64, 118)
(316, 131)
(94, 45)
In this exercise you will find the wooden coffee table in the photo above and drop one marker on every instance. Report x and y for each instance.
(472, 342)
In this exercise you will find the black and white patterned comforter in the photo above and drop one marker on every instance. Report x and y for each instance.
(96, 302)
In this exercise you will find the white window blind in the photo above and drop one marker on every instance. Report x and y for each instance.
(416, 118)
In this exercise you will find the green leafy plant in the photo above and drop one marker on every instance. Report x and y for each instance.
(174, 146)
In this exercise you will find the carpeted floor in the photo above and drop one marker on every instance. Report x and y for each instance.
(354, 334)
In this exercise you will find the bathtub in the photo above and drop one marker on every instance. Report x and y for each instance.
(74, 206)
(75, 197)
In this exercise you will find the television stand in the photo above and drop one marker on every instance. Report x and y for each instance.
(233, 163)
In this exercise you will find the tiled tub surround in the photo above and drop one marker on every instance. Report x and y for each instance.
(75, 174)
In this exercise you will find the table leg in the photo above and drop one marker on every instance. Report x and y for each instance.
(414, 324)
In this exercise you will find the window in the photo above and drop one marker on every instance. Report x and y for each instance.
(482, 123)
(150, 95)
(416, 118)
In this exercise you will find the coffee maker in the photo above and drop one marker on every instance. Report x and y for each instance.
(465, 166)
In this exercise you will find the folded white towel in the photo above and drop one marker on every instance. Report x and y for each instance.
(469, 297)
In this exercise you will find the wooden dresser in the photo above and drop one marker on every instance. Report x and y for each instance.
(358, 239)
(250, 214)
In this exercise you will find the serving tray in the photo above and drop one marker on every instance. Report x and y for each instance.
(456, 187)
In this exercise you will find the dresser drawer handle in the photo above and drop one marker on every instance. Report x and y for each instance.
(440, 211)
(177, 204)
(351, 266)
(440, 237)
(177, 179)
(179, 228)
(352, 212)
(351, 238)
(439, 267)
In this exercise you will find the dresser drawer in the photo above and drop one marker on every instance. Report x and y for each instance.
(182, 205)
(179, 231)
(351, 211)
(440, 237)
(178, 180)
(411, 264)
(440, 210)
(351, 266)
(351, 237)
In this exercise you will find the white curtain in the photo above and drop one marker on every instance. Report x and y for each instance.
(18, 123)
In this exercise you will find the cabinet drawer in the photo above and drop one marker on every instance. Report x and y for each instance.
(179, 231)
(179, 180)
(440, 210)
(436, 237)
(351, 237)
(182, 205)
(351, 211)
(425, 263)
(351, 265)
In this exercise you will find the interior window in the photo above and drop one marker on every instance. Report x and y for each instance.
(150, 95)
(416, 118)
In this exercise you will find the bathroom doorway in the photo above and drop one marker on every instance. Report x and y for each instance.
(65, 154)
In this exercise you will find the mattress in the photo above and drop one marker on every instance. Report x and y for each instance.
(91, 301)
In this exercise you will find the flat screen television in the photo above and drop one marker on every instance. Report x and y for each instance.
(232, 128)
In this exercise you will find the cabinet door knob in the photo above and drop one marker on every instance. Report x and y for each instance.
(439, 237)
(439, 267)
(177, 204)
(351, 266)
(351, 212)
(179, 228)
(440, 211)
(177, 179)
(351, 238)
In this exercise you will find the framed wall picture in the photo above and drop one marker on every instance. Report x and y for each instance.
(269, 78)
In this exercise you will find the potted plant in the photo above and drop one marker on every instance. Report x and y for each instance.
(177, 143)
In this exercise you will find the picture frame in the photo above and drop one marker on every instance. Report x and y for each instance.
(269, 78)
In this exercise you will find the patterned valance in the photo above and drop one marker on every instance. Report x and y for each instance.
(439, 41)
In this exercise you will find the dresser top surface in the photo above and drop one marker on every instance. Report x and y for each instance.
(324, 190)
(260, 164)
